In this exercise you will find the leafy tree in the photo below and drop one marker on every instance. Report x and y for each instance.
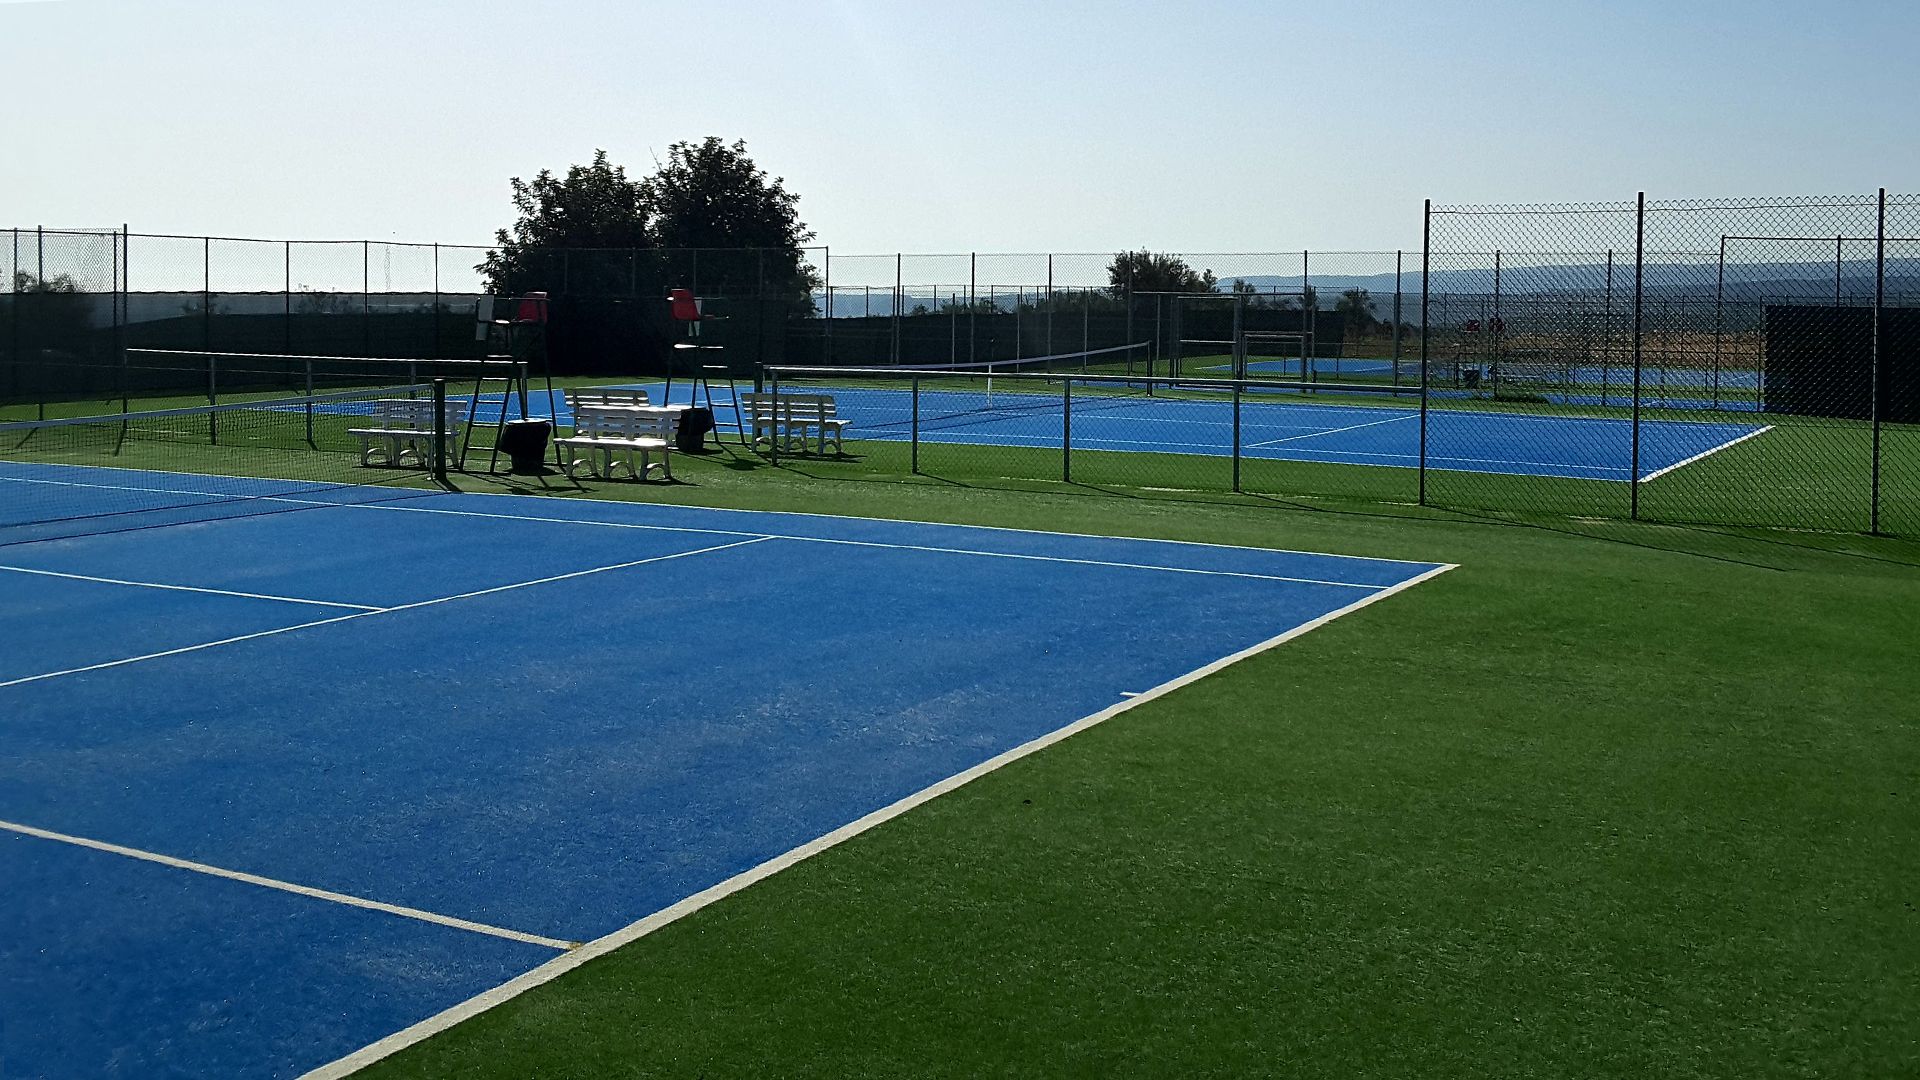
(707, 215)
(710, 194)
(593, 206)
(59, 315)
(1355, 307)
(1147, 271)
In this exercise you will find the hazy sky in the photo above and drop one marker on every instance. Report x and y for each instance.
(983, 125)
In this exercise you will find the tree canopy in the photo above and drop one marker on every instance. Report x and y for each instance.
(1148, 271)
(598, 231)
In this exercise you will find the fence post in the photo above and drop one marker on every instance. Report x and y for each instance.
(435, 323)
(1309, 314)
(1049, 349)
(1236, 435)
(1426, 334)
(1066, 430)
(13, 317)
(1606, 335)
(40, 283)
(914, 436)
(826, 283)
(1495, 329)
(1719, 321)
(774, 426)
(1396, 317)
(1639, 290)
(119, 325)
(440, 430)
(366, 298)
(973, 315)
(898, 282)
(206, 293)
(1879, 302)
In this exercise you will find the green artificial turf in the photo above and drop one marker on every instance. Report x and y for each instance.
(1608, 800)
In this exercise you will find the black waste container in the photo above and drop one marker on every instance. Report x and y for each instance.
(691, 438)
(525, 444)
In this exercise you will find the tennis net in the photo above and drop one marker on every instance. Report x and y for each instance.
(965, 392)
(138, 470)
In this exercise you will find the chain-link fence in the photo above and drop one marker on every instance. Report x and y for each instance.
(1746, 362)
(1736, 361)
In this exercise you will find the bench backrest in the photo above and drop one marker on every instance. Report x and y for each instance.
(413, 413)
(622, 423)
(629, 398)
(795, 407)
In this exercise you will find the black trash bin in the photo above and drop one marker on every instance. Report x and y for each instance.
(525, 444)
(691, 437)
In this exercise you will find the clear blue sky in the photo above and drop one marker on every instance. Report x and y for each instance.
(980, 125)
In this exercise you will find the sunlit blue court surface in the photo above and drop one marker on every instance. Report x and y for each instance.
(279, 785)
(1508, 443)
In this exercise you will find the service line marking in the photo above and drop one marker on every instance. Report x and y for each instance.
(376, 611)
(289, 887)
(187, 588)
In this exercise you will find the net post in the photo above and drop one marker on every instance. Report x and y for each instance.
(308, 365)
(1878, 371)
(439, 449)
(914, 436)
(774, 418)
(1639, 295)
(1066, 430)
(1426, 335)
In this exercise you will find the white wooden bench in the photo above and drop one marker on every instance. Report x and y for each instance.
(623, 399)
(798, 415)
(607, 437)
(401, 428)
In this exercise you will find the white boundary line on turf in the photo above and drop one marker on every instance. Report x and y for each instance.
(376, 611)
(626, 935)
(289, 887)
(1658, 473)
(185, 588)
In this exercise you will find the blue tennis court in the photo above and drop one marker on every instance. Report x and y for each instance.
(280, 785)
(1517, 444)
(1507, 443)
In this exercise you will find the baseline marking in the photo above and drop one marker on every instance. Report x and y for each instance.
(375, 611)
(1658, 473)
(566, 962)
(860, 543)
(289, 887)
(688, 506)
(187, 588)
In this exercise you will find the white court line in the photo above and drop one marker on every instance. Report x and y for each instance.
(687, 506)
(1083, 562)
(1658, 473)
(290, 887)
(376, 611)
(1332, 431)
(566, 962)
(187, 588)
(879, 544)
